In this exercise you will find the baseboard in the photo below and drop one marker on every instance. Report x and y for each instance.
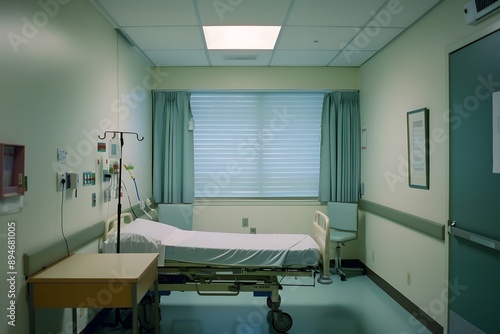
(426, 321)
(349, 263)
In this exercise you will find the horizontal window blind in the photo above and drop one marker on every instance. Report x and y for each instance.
(256, 145)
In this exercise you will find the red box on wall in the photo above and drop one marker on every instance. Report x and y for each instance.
(11, 170)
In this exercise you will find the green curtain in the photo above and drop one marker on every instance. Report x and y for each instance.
(173, 149)
(340, 157)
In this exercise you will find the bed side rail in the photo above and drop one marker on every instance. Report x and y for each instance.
(110, 225)
(321, 234)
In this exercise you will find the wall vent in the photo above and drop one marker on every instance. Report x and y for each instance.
(240, 57)
(476, 10)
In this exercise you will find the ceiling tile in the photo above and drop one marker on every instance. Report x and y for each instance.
(169, 32)
(178, 58)
(333, 12)
(254, 12)
(315, 38)
(303, 58)
(373, 38)
(150, 12)
(401, 13)
(166, 38)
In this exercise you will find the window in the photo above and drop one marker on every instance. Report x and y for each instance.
(257, 145)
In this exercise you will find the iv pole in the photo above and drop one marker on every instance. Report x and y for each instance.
(119, 209)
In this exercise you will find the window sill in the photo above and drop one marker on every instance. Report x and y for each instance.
(256, 202)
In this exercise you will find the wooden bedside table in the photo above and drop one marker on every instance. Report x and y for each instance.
(95, 281)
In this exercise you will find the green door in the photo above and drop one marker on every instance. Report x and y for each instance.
(474, 289)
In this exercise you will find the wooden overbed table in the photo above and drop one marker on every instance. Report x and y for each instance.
(96, 281)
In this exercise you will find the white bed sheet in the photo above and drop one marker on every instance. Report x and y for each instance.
(216, 248)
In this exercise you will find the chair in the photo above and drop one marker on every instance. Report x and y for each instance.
(343, 227)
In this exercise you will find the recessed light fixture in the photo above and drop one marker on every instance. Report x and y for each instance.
(241, 37)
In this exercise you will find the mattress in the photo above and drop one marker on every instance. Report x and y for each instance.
(216, 248)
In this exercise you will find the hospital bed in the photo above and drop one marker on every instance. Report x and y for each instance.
(225, 264)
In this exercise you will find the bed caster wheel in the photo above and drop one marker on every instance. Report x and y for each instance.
(342, 278)
(269, 302)
(282, 322)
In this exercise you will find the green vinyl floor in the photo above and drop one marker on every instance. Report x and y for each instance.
(354, 306)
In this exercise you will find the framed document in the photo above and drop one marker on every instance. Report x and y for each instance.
(418, 148)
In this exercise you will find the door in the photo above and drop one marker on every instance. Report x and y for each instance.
(474, 289)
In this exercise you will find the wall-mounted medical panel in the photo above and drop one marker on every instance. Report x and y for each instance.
(11, 170)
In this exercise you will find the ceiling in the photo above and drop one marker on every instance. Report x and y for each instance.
(313, 33)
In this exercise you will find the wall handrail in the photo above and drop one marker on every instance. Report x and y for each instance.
(476, 238)
(423, 225)
(36, 260)
(39, 259)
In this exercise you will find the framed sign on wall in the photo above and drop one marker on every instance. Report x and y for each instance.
(418, 148)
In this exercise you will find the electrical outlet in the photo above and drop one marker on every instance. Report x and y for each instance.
(253, 230)
(373, 255)
(408, 278)
(60, 177)
(244, 222)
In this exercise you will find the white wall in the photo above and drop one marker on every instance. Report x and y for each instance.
(409, 74)
(255, 78)
(66, 78)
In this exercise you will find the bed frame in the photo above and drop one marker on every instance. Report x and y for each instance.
(230, 281)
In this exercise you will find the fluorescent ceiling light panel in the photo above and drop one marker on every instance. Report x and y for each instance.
(241, 37)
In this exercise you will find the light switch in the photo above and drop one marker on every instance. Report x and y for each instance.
(61, 155)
